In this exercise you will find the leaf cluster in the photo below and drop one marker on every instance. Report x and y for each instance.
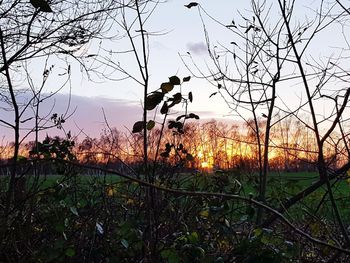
(155, 98)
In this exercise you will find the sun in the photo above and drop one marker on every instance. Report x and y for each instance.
(205, 165)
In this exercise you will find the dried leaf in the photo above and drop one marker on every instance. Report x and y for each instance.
(166, 87)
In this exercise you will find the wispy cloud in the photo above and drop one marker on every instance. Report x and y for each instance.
(88, 116)
(198, 48)
(91, 114)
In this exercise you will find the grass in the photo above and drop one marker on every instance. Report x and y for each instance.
(291, 183)
(281, 186)
(84, 202)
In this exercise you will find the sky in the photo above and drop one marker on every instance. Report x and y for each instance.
(180, 32)
(120, 102)
(179, 29)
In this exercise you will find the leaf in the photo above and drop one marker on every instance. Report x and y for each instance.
(250, 211)
(175, 80)
(176, 124)
(166, 87)
(99, 228)
(190, 96)
(170, 255)
(179, 125)
(193, 237)
(204, 213)
(70, 252)
(227, 223)
(42, 4)
(74, 210)
(153, 100)
(165, 108)
(124, 243)
(258, 232)
(249, 28)
(168, 147)
(213, 94)
(138, 127)
(180, 117)
(176, 99)
(172, 124)
(189, 157)
(111, 190)
(192, 4)
(150, 125)
(59, 227)
(193, 116)
(244, 218)
(130, 201)
(21, 158)
(315, 229)
(186, 79)
(165, 154)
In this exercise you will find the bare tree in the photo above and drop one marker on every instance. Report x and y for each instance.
(276, 54)
(36, 31)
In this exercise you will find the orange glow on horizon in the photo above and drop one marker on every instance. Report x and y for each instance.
(205, 159)
(205, 165)
(206, 148)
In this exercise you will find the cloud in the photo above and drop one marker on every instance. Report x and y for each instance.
(86, 115)
(198, 48)
(91, 114)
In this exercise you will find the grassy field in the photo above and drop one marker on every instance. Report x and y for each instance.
(291, 183)
(280, 187)
(106, 205)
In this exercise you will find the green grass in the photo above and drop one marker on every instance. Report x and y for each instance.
(292, 183)
(280, 186)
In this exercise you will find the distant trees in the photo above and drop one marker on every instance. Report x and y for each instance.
(213, 143)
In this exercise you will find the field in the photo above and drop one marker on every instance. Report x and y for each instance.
(281, 185)
(81, 214)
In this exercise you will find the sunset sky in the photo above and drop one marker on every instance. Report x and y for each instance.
(179, 31)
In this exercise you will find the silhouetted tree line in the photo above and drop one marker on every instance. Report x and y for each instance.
(213, 145)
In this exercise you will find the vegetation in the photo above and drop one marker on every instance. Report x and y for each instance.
(176, 190)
